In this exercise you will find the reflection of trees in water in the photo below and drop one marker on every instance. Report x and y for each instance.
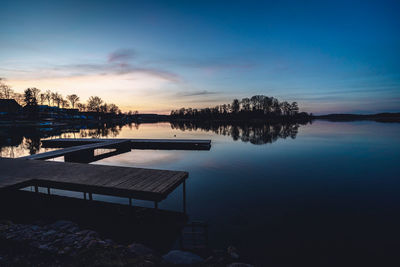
(100, 132)
(255, 133)
(32, 144)
(17, 141)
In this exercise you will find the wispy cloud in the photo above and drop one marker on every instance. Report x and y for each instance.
(116, 63)
(196, 93)
(121, 55)
(214, 63)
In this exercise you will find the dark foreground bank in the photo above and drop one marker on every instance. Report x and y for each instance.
(43, 230)
(63, 243)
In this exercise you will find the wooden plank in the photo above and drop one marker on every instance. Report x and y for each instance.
(137, 178)
(141, 186)
(161, 187)
(154, 182)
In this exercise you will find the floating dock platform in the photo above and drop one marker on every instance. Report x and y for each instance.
(164, 144)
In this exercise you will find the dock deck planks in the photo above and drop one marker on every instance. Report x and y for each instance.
(169, 144)
(139, 183)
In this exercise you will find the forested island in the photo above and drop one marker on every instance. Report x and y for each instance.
(261, 108)
(255, 108)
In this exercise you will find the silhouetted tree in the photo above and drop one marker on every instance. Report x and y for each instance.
(64, 103)
(94, 103)
(246, 104)
(42, 98)
(19, 98)
(29, 98)
(112, 108)
(294, 108)
(73, 99)
(81, 107)
(235, 106)
(48, 96)
(35, 92)
(104, 108)
(5, 90)
(56, 98)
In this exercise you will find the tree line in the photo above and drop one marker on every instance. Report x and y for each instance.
(258, 106)
(34, 96)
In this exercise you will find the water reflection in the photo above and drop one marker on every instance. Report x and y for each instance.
(19, 141)
(255, 133)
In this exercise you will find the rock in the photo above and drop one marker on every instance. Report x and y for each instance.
(6, 222)
(63, 225)
(92, 244)
(182, 257)
(232, 251)
(50, 232)
(72, 229)
(35, 228)
(139, 249)
(83, 232)
(92, 234)
(239, 264)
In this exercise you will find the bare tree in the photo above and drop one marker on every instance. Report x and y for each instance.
(42, 98)
(104, 108)
(35, 92)
(64, 103)
(56, 98)
(20, 98)
(81, 107)
(94, 103)
(112, 108)
(5, 90)
(48, 96)
(73, 99)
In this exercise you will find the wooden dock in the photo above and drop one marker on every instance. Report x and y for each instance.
(137, 183)
(133, 183)
(82, 153)
(168, 144)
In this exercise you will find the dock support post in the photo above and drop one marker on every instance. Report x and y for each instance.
(84, 195)
(48, 190)
(130, 201)
(90, 196)
(36, 189)
(156, 205)
(184, 196)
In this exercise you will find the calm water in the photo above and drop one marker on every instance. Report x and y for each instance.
(329, 195)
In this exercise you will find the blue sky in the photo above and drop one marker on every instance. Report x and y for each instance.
(153, 56)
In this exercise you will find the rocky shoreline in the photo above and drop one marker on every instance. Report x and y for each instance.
(63, 243)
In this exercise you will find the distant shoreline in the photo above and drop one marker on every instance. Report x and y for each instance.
(378, 117)
(154, 118)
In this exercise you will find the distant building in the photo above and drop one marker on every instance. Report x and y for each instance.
(46, 111)
(8, 106)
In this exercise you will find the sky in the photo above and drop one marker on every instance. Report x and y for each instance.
(154, 56)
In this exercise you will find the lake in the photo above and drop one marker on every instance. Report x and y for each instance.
(326, 193)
